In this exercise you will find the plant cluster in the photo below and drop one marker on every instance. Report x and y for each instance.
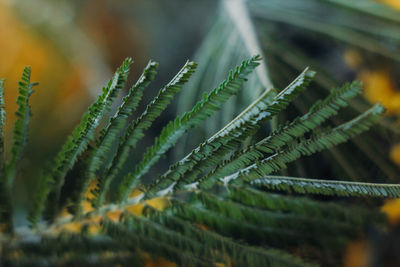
(217, 205)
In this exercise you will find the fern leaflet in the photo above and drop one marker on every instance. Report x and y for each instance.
(317, 143)
(77, 142)
(115, 128)
(319, 112)
(233, 133)
(175, 129)
(136, 130)
(21, 124)
(328, 187)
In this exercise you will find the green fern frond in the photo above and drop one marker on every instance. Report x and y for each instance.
(118, 122)
(318, 113)
(243, 130)
(175, 129)
(109, 136)
(328, 187)
(136, 130)
(242, 126)
(317, 143)
(78, 141)
(21, 124)
(355, 215)
(275, 219)
(253, 233)
(220, 219)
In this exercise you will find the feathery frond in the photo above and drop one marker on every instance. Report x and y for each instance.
(239, 128)
(328, 187)
(317, 143)
(136, 130)
(221, 218)
(78, 141)
(355, 215)
(175, 129)
(318, 113)
(21, 124)
(115, 128)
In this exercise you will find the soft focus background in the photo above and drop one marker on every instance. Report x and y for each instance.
(73, 46)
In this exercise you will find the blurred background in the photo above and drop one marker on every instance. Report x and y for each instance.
(73, 47)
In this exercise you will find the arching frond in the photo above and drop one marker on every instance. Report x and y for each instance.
(78, 141)
(109, 136)
(355, 215)
(319, 112)
(317, 143)
(242, 126)
(241, 229)
(136, 130)
(118, 122)
(328, 187)
(21, 124)
(175, 129)
(275, 219)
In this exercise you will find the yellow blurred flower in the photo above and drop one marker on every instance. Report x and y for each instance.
(393, 3)
(392, 210)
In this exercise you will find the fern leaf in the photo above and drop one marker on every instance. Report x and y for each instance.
(175, 129)
(115, 128)
(234, 132)
(119, 120)
(21, 124)
(317, 143)
(78, 141)
(136, 130)
(328, 187)
(319, 112)
(355, 215)
(308, 225)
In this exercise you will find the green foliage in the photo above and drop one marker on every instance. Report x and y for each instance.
(76, 144)
(293, 34)
(175, 129)
(327, 187)
(215, 214)
(233, 133)
(114, 129)
(319, 113)
(21, 124)
(136, 130)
